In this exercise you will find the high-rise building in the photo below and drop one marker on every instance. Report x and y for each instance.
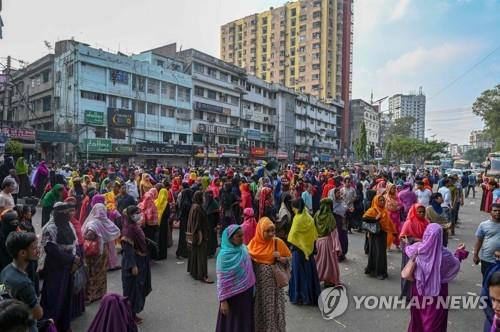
(480, 140)
(410, 105)
(363, 112)
(305, 45)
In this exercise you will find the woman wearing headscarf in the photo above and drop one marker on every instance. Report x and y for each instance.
(265, 249)
(229, 202)
(78, 193)
(246, 196)
(145, 184)
(212, 211)
(412, 232)
(435, 214)
(53, 196)
(328, 245)
(377, 242)
(266, 204)
(427, 184)
(150, 220)
(98, 230)
(339, 212)
(197, 233)
(407, 197)
(328, 186)
(162, 206)
(285, 217)
(114, 314)
(435, 267)
(58, 260)
(185, 201)
(22, 174)
(248, 226)
(393, 207)
(304, 287)
(136, 271)
(215, 187)
(40, 178)
(235, 281)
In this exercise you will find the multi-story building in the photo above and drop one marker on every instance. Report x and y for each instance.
(410, 105)
(363, 112)
(120, 106)
(478, 139)
(305, 45)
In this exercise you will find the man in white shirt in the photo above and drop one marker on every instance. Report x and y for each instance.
(6, 199)
(13, 177)
(446, 193)
(131, 186)
(423, 194)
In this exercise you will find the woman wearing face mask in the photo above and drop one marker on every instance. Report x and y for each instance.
(136, 272)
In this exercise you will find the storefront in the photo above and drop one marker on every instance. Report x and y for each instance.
(50, 144)
(26, 136)
(165, 154)
(302, 156)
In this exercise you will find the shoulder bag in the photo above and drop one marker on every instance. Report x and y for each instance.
(371, 227)
(281, 271)
(409, 269)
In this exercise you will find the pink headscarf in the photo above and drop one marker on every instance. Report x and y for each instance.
(249, 225)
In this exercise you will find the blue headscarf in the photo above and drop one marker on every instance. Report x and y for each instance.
(436, 206)
(234, 267)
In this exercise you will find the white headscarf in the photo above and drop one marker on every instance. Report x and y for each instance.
(99, 223)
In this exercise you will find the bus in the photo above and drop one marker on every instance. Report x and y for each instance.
(461, 164)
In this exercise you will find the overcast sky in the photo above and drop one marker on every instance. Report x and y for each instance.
(399, 45)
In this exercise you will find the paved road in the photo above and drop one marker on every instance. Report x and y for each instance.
(178, 303)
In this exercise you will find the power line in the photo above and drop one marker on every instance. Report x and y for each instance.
(466, 72)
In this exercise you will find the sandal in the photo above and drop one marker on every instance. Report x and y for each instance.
(207, 281)
(138, 320)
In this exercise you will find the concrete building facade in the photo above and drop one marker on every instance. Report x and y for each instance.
(364, 112)
(478, 139)
(410, 105)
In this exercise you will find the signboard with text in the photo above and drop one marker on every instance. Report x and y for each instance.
(19, 133)
(218, 130)
(93, 118)
(158, 148)
(118, 117)
(97, 145)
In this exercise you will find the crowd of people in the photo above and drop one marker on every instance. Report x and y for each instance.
(271, 228)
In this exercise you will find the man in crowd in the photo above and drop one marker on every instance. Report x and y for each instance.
(6, 198)
(488, 238)
(423, 194)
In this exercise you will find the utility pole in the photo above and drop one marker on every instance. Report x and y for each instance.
(7, 95)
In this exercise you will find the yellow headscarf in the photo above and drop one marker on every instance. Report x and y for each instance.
(303, 233)
(110, 200)
(161, 203)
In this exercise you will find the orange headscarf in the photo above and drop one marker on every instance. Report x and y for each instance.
(262, 250)
(427, 184)
(385, 222)
(414, 226)
(328, 186)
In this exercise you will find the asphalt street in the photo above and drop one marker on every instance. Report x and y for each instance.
(178, 303)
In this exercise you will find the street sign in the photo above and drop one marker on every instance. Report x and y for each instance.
(97, 145)
(94, 118)
(54, 136)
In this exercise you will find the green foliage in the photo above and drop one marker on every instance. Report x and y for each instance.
(411, 149)
(361, 142)
(14, 148)
(476, 155)
(402, 126)
(487, 106)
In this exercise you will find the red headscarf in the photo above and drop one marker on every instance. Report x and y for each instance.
(427, 184)
(414, 225)
(328, 186)
(246, 196)
(265, 199)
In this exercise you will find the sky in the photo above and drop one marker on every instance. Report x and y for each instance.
(444, 46)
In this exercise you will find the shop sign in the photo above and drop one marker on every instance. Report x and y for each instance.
(281, 155)
(96, 145)
(258, 152)
(253, 134)
(123, 148)
(218, 130)
(228, 151)
(19, 133)
(118, 117)
(208, 108)
(267, 137)
(325, 158)
(302, 155)
(201, 152)
(93, 118)
(331, 133)
(158, 148)
(53, 136)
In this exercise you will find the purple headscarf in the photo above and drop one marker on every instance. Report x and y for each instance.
(436, 265)
(407, 197)
(114, 314)
(41, 172)
(98, 198)
(234, 267)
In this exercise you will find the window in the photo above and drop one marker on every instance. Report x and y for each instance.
(184, 94)
(256, 125)
(317, 25)
(152, 109)
(223, 76)
(183, 138)
(160, 63)
(45, 76)
(167, 137)
(100, 132)
(125, 103)
(171, 113)
(112, 101)
(93, 96)
(199, 68)
(198, 91)
(317, 14)
(141, 106)
(118, 76)
(153, 86)
(138, 83)
(211, 94)
(197, 138)
(223, 119)
(315, 66)
(163, 111)
(212, 72)
(198, 115)
(168, 90)
(46, 104)
(69, 69)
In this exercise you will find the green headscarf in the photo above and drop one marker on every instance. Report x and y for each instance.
(324, 219)
(53, 196)
(21, 166)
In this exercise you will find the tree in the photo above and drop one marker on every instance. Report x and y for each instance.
(402, 126)
(411, 149)
(476, 155)
(361, 142)
(13, 148)
(487, 106)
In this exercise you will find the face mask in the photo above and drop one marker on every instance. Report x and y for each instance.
(136, 217)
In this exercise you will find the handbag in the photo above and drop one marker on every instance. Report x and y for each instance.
(80, 279)
(281, 271)
(91, 248)
(371, 227)
(409, 269)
